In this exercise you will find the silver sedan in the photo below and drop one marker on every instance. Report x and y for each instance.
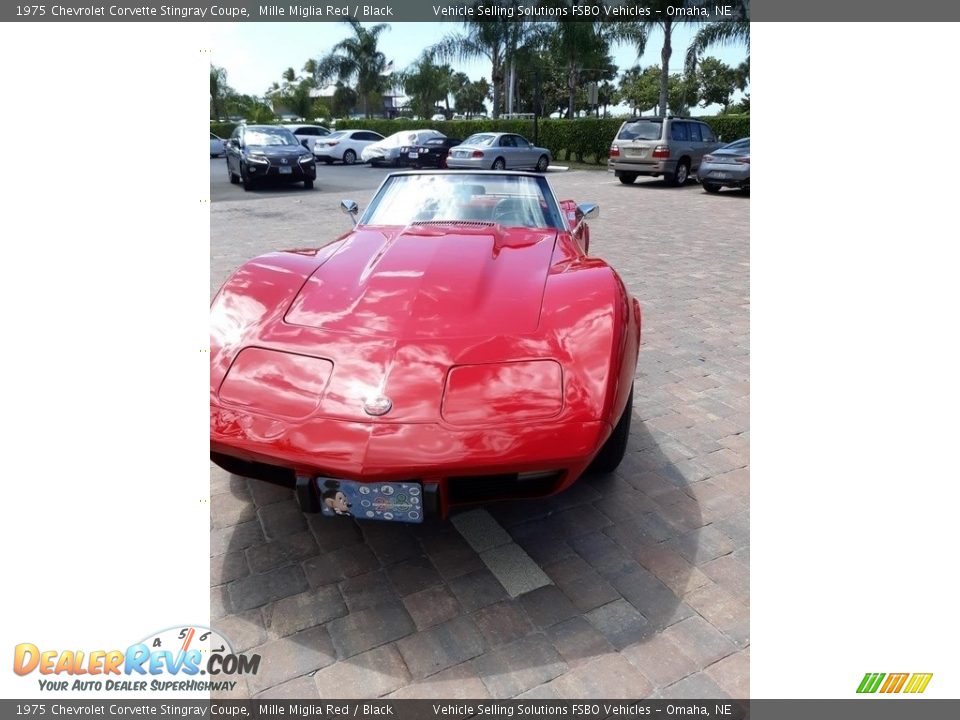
(498, 151)
(728, 166)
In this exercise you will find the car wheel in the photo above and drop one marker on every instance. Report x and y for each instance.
(745, 189)
(543, 163)
(349, 157)
(234, 180)
(499, 164)
(613, 450)
(680, 175)
(710, 187)
(627, 178)
(247, 180)
(308, 184)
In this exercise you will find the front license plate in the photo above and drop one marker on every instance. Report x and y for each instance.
(286, 170)
(392, 501)
(412, 155)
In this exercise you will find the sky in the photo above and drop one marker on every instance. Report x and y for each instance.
(256, 54)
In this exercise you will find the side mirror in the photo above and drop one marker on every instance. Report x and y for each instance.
(350, 208)
(589, 211)
(305, 144)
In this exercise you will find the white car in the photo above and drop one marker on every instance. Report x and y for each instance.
(217, 145)
(387, 151)
(310, 133)
(439, 117)
(344, 145)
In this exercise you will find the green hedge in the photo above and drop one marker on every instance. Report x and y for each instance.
(566, 139)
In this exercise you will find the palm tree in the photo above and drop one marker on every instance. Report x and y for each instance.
(582, 45)
(639, 33)
(491, 39)
(727, 32)
(220, 92)
(356, 58)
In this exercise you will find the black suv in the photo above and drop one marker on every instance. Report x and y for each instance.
(261, 153)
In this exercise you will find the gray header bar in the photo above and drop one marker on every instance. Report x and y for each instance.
(872, 708)
(457, 10)
(368, 11)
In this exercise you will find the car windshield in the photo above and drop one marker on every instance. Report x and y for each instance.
(269, 136)
(479, 139)
(509, 200)
(641, 130)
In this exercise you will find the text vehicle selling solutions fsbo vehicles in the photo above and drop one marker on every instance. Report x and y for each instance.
(458, 345)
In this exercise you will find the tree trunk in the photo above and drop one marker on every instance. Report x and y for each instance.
(665, 66)
(571, 92)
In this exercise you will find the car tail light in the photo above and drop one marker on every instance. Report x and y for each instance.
(477, 153)
(614, 151)
(335, 142)
(744, 160)
(661, 151)
(708, 158)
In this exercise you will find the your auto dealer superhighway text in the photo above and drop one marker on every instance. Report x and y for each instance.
(120, 11)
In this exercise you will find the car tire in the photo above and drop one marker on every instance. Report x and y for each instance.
(308, 184)
(613, 450)
(542, 164)
(627, 178)
(680, 174)
(349, 157)
(499, 164)
(234, 180)
(246, 179)
(710, 187)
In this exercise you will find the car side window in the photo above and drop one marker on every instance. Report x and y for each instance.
(521, 141)
(366, 136)
(507, 141)
(678, 131)
(708, 135)
(695, 132)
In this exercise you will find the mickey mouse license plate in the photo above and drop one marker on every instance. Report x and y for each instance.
(392, 501)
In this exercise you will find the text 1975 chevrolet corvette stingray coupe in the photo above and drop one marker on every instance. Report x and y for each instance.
(457, 346)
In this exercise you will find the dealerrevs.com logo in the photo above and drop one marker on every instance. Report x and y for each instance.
(182, 659)
(910, 683)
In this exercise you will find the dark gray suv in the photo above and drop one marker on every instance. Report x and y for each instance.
(670, 146)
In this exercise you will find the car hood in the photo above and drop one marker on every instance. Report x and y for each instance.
(429, 281)
(278, 151)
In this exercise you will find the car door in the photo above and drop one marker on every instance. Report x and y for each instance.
(710, 142)
(508, 150)
(680, 141)
(233, 151)
(524, 152)
(696, 145)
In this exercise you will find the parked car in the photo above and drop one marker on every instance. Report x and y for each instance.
(498, 151)
(438, 117)
(728, 166)
(308, 133)
(217, 145)
(457, 346)
(344, 145)
(671, 147)
(432, 153)
(387, 151)
(261, 153)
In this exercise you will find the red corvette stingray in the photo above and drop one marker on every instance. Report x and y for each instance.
(457, 346)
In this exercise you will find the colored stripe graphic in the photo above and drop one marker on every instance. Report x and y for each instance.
(870, 682)
(918, 682)
(894, 682)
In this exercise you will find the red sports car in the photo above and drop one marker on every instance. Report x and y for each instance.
(457, 346)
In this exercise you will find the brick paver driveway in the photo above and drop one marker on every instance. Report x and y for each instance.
(644, 586)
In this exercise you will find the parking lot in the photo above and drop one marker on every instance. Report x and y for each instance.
(645, 589)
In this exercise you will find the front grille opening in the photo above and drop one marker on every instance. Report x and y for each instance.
(482, 488)
(274, 474)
